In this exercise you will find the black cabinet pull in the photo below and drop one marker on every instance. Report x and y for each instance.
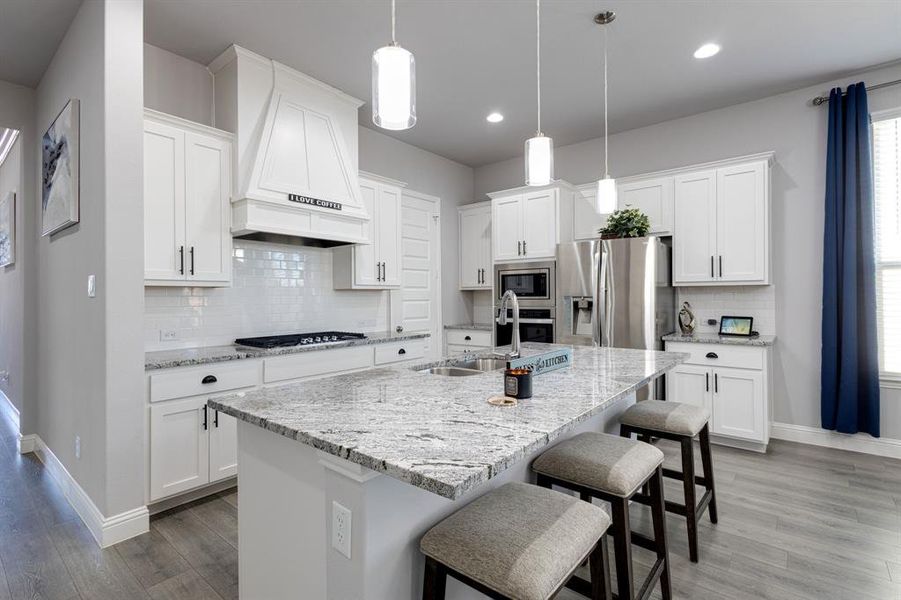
(216, 419)
(712, 355)
(468, 338)
(721, 265)
(519, 247)
(711, 267)
(181, 261)
(524, 247)
(707, 382)
(401, 351)
(192, 260)
(716, 383)
(209, 379)
(204, 418)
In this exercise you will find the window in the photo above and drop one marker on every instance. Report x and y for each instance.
(887, 178)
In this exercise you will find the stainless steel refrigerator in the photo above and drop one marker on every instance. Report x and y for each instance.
(615, 293)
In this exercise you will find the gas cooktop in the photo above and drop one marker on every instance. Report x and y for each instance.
(299, 339)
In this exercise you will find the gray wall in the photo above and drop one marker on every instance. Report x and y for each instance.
(18, 284)
(182, 87)
(796, 131)
(90, 355)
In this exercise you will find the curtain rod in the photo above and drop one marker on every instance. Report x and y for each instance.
(824, 99)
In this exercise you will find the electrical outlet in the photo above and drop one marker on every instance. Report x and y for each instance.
(78, 447)
(341, 527)
(168, 335)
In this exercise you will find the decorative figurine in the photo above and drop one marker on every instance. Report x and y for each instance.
(686, 319)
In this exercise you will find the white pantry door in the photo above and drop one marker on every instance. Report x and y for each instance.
(420, 293)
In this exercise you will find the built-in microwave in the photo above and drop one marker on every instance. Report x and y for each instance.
(533, 283)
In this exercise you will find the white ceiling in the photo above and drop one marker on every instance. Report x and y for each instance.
(475, 56)
(30, 31)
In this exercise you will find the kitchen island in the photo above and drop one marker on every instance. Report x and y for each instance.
(400, 449)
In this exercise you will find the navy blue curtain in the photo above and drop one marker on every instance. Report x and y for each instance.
(850, 360)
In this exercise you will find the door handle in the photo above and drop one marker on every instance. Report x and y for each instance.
(712, 275)
(524, 251)
(384, 271)
(721, 265)
(192, 260)
(204, 418)
(378, 271)
(712, 355)
(216, 419)
(716, 383)
(519, 248)
(181, 262)
(706, 382)
(209, 379)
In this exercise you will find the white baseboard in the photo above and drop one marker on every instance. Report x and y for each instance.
(890, 448)
(106, 530)
(27, 443)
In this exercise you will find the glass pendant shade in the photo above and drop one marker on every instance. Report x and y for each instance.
(606, 200)
(539, 160)
(393, 88)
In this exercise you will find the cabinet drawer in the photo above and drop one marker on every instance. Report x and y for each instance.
(454, 349)
(721, 355)
(398, 351)
(316, 363)
(468, 337)
(187, 382)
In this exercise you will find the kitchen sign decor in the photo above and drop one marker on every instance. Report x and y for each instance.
(544, 363)
(315, 202)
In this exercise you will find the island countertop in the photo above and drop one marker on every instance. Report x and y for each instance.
(439, 433)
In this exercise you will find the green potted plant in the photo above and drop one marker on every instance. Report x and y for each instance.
(626, 223)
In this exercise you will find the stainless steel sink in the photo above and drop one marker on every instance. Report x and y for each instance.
(483, 364)
(451, 371)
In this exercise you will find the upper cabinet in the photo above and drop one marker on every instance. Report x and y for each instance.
(587, 222)
(721, 233)
(475, 246)
(525, 222)
(376, 265)
(187, 187)
(653, 197)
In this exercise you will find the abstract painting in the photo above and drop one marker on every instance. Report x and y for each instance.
(59, 171)
(8, 229)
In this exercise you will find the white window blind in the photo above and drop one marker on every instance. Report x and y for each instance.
(887, 178)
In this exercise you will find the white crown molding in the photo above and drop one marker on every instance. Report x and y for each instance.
(181, 123)
(106, 530)
(814, 436)
(382, 179)
(556, 184)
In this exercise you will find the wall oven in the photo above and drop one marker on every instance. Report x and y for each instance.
(535, 283)
(535, 325)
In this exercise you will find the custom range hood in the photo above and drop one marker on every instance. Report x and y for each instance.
(296, 147)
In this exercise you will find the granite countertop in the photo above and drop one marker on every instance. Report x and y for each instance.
(167, 359)
(473, 326)
(714, 338)
(439, 433)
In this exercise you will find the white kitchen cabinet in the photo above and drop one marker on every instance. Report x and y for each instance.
(721, 230)
(587, 222)
(475, 246)
(653, 197)
(733, 383)
(525, 224)
(187, 189)
(458, 341)
(223, 430)
(376, 265)
(179, 447)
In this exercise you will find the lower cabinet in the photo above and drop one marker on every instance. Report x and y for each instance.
(467, 340)
(732, 382)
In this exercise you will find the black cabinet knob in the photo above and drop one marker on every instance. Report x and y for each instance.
(712, 355)
(209, 379)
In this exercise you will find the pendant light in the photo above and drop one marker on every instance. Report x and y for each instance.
(606, 194)
(393, 85)
(539, 149)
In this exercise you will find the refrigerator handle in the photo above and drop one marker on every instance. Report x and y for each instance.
(598, 277)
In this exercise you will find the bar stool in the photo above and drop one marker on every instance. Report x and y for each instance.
(679, 422)
(614, 469)
(519, 542)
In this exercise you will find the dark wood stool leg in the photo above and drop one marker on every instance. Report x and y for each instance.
(624, 431)
(688, 484)
(435, 582)
(707, 461)
(622, 545)
(600, 571)
(658, 514)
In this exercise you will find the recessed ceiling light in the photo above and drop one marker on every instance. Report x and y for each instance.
(707, 50)
(495, 117)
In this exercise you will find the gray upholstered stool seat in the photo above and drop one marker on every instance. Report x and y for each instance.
(672, 417)
(520, 540)
(604, 462)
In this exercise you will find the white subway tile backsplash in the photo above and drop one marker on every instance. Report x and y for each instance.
(747, 301)
(275, 289)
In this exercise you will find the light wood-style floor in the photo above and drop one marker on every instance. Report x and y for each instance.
(800, 522)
